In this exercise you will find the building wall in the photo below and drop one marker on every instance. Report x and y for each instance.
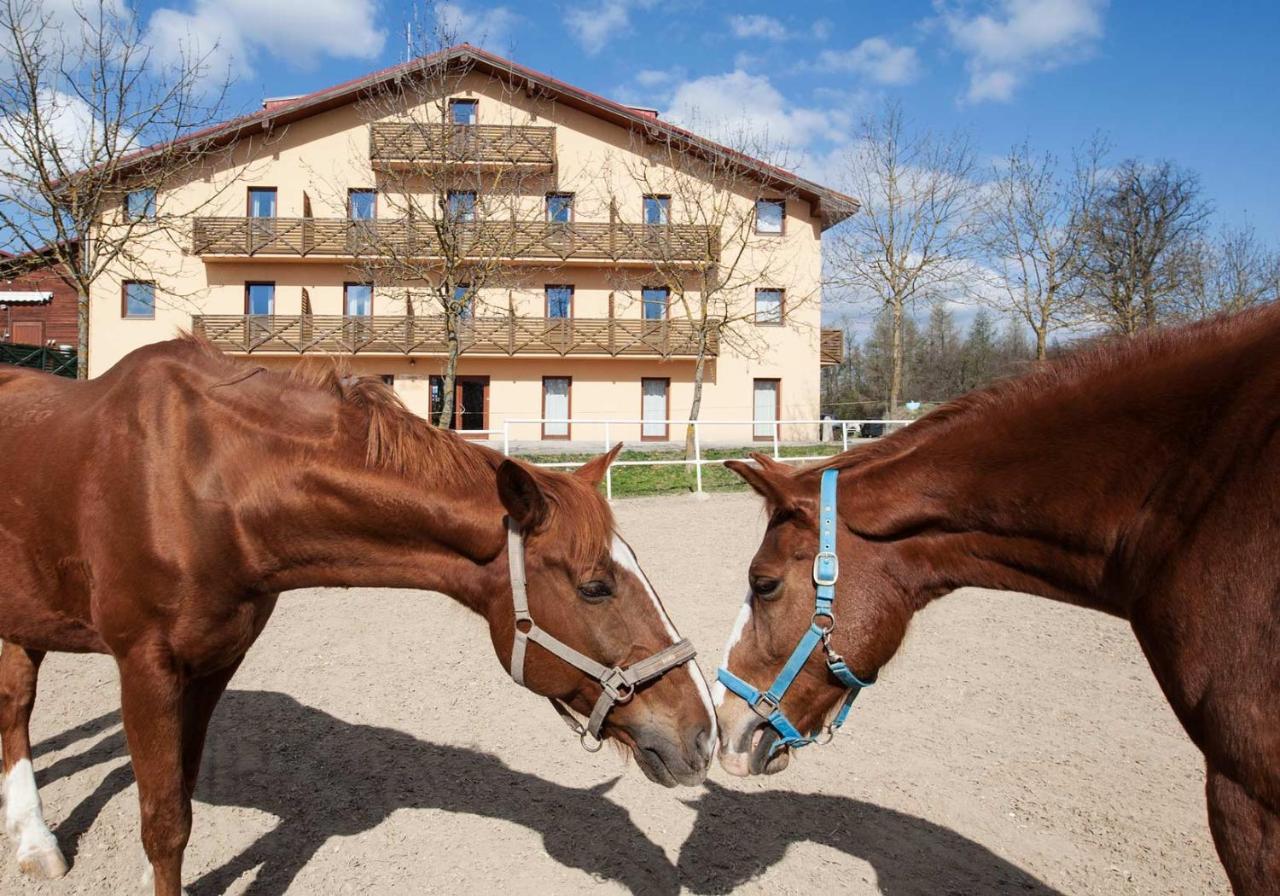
(57, 317)
(315, 161)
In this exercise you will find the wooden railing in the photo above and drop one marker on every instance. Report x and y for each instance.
(832, 347)
(419, 238)
(436, 145)
(50, 360)
(299, 334)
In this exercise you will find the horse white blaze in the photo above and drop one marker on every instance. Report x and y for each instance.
(739, 626)
(24, 815)
(626, 558)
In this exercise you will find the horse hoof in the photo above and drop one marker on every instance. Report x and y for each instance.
(43, 864)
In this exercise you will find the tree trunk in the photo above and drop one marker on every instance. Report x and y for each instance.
(82, 334)
(699, 372)
(449, 376)
(1042, 339)
(895, 376)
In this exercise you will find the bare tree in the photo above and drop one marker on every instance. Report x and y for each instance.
(715, 257)
(1229, 273)
(917, 224)
(81, 95)
(1032, 238)
(1140, 231)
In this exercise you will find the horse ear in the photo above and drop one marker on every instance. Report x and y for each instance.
(521, 496)
(592, 472)
(769, 483)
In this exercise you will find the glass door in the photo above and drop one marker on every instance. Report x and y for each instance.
(653, 408)
(766, 408)
(555, 407)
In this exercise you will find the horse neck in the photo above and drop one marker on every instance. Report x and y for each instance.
(1039, 505)
(337, 521)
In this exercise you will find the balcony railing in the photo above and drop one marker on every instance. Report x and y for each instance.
(832, 347)
(441, 145)
(419, 335)
(422, 238)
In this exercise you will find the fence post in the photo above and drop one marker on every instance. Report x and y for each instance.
(608, 473)
(697, 455)
(506, 437)
(844, 436)
(777, 428)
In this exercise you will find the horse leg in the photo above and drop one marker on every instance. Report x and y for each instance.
(199, 701)
(38, 852)
(1247, 835)
(152, 703)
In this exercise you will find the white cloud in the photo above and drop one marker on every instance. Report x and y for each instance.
(595, 26)
(739, 107)
(876, 58)
(750, 26)
(653, 77)
(1012, 38)
(235, 32)
(485, 27)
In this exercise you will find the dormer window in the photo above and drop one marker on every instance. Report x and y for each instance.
(463, 111)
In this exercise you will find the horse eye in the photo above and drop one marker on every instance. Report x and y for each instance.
(595, 591)
(765, 587)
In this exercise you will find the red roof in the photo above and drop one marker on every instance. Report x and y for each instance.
(831, 205)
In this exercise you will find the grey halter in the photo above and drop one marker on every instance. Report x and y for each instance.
(617, 684)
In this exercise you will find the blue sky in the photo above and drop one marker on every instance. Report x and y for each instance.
(1190, 81)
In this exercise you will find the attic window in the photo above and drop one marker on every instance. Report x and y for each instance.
(463, 111)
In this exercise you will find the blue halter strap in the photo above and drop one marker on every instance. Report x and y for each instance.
(826, 570)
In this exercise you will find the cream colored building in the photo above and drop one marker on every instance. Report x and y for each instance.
(584, 211)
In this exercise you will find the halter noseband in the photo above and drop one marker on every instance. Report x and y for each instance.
(617, 684)
(826, 570)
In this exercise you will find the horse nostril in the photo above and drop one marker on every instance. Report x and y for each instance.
(702, 743)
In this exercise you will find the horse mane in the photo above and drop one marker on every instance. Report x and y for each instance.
(1101, 359)
(400, 441)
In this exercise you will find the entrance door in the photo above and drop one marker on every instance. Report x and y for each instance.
(27, 332)
(555, 407)
(653, 408)
(766, 408)
(470, 402)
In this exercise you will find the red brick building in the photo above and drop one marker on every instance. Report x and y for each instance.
(37, 305)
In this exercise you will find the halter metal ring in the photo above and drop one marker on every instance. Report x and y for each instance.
(826, 736)
(589, 743)
(830, 625)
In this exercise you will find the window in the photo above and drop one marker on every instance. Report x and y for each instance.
(765, 401)
(555, 406)
(771, 214)
(388, 379)
(259, 298)
(464, 300)
(138, 299)
(769, 306)
(463, 111)
(362, 205)
(657, 209)
(653, 408)
(560, 208)
(140, 205)
(262, 202)
(654, 302)
(462, 205)
(559, 301)
(357, 299)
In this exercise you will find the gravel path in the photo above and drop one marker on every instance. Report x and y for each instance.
(371, 744)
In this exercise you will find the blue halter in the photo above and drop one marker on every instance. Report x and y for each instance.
(826, 570)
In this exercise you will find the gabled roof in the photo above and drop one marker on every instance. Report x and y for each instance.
(830, 206)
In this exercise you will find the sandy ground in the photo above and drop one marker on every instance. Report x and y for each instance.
(372, 744)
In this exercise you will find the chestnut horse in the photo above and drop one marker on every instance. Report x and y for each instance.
(1141, 480)
(157, 512)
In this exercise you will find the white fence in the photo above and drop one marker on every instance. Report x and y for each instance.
(845, 431)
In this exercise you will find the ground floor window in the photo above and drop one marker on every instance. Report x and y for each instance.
(556, 406)
(654, 392)
(766, 401)
(470, 402)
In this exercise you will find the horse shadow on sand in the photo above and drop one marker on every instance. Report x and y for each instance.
(323, 777)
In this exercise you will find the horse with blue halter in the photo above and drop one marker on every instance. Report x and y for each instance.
(182, 492)
(1141, 480)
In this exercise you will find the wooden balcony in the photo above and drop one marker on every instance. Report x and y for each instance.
(434, 145)
(832, 347)
(423, 335)
(328, 239)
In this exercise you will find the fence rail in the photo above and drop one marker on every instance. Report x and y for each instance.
(846, 431)
(434, 144)
(426, 238)
(50, 360)
(509, 335)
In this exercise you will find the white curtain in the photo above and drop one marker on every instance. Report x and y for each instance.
(555, 392)
(766, 407)
(654, 407)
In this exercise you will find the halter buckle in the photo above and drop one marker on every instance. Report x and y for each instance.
(615, 684)
(826, 568)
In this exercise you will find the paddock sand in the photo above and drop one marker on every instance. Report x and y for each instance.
(372, 744)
